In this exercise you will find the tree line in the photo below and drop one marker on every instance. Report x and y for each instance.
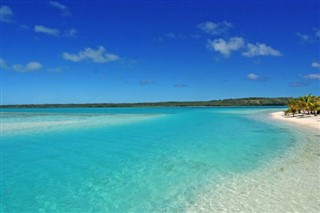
(251, 101)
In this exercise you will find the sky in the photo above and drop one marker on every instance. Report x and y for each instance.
(149, 51)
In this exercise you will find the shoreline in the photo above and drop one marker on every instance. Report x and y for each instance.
(289, 182)
(302, 120)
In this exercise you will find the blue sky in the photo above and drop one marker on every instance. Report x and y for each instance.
(136, 51)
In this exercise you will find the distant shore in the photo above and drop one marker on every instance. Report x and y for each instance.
(251, 101)
(303, 120)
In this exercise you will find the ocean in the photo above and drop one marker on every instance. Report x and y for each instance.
(130, 159)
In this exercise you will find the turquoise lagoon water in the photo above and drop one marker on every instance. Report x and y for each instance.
(128, 159)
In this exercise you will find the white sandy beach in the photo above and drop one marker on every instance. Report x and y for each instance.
(303, 120)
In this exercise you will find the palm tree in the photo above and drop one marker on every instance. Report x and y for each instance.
(315, 105)
(293, 107)
(306, 102)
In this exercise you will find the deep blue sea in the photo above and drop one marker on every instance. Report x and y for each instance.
(128, 159)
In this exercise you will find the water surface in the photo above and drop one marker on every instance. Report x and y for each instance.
(128, 159)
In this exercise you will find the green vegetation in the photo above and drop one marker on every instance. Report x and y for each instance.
(308, 104)
(226, 102)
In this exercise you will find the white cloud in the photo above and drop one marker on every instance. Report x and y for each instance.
(58, 5)
(31, 66)
(3, 64)
(170, 35)
(259, 49)
(318, 33)
(313, 76)
(55, 32)
(97, 56)
(252, 76)
(315, 65)
(70, 33)
(303, 37)
(46, 30)
(226, 47)
(311, 38)
(215, 28)
(6, 14)
(64, 9)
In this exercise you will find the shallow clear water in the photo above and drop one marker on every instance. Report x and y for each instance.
(128, 159)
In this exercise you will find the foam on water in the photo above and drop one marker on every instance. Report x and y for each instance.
(152, 160)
